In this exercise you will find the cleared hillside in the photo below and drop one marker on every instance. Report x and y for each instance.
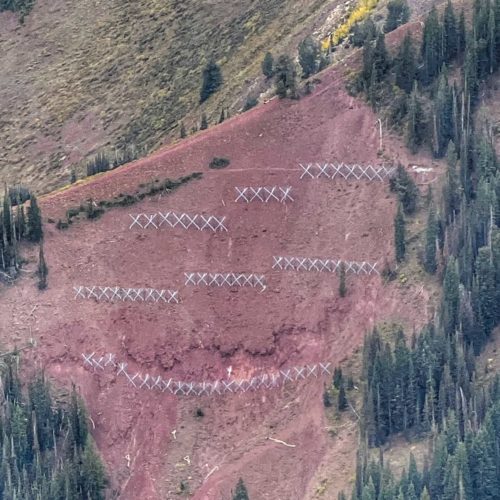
(298, 319)
(83, 76)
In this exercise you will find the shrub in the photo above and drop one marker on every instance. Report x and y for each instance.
(218, 163)
(250, 103)
(212, 80)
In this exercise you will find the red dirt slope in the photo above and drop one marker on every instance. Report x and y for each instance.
(299, 318)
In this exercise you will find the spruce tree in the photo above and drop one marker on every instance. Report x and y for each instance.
(268, 65)
(451, 194)
(35, 231)
(398, 13)
(431, 51)
(93, 477)
(240, 492)
(342, 399)
(309, 55)
(405, 65)
(399, 235)
(451, 298)
(182, 133)
(43, 270)
(430, 262)
(222, 116)
(285, 77)
(203, 122)
(450, 33)
(211, 80)
(415, 128)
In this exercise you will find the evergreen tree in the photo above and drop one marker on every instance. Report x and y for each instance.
(92, 475)
(451, 298)
(430, 262)
(203, 122)
(43, 270)
(405, 187)
(183, 133)
(485, 274)
(342, 283)
(241, 492)
(398, 13)
(399, 235)
(405, 65)
(309, 55)
(211, 80)
(415, 129)
(451, 195)
(431, 51)
(222, 116)
(35, 232)
(380, 59)
(342, 400)
(285, 77)
(450, 33)
(364, 32)
(268, 65)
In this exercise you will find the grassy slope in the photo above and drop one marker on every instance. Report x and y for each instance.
(83, 75)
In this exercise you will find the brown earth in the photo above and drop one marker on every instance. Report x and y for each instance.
(299, 318)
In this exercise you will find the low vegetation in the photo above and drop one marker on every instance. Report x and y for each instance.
(91, 209)
(218, 162)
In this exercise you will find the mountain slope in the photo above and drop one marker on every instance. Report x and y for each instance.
(84, 76)
(151, 441)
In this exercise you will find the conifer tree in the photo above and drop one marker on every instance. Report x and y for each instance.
(222, 116)
(268, 65)
(451, 297)
(399, 235)
(240, 492)
(35, 232)
(430, 262)
(203, 122)
(431, 51)
(398, 13)
(211, 80)
(404, 65)
(43, 270)
(450, 33)
(342, 400)
(93, 478)
(309, 55)
(285, 77)
(451, 195)
(415, 129)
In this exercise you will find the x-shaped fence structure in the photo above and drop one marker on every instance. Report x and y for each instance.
(264, 194)
(323, 265)
(155, 382)
(333, 170)
(225, 279)
(115, 293)
(176, 219)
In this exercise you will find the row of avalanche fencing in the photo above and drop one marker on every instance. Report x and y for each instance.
(266, 380)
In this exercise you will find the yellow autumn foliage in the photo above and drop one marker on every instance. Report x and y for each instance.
(360, 12)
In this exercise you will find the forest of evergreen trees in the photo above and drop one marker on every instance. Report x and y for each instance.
(429, 386)
(47, 453)
(465, 462)
(17, 225)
